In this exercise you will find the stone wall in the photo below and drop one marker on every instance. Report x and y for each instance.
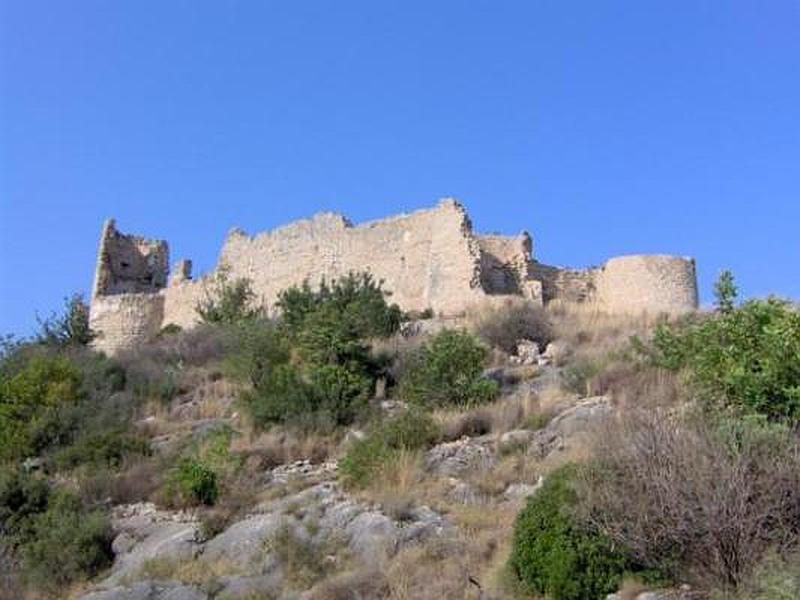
(124, 320)
(426, 259)
(647, 283)
(568, 285)
(504, 262)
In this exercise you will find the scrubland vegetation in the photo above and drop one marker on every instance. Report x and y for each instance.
(690, 478)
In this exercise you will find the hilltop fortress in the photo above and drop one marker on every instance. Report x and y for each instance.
(428, 259)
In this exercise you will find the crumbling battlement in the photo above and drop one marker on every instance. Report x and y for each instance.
(427, 259)
(129, 263)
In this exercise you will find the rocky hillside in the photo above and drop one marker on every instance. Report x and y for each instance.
(347, 451)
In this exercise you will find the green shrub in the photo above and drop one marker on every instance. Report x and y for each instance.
(354, 305)
(31, 401)
(192, 482)
(446, 371)
(228, 302)
(746, 358)
(338, 392)
(553, 554)
(58, 539)
(725, 292)
(71, 328)
(67, 543)
(257, 349)
(577, 377)
(22, 495)
(102, 449)
(408, 431)
(277, 397)
(312, 369)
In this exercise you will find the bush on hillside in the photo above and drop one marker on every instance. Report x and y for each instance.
(447, 371)
(409, 431)
(192, 482)
(58, 539)
(354, 306)
(228, 302)
(555, 554)
(52, 399)
(70, 328)
(503, 326)
(694, 496)
(22, 496)
(67, 543)
(746, 358)
(312, 368)
(102, 449)
(31, 404)
(304, 395)
(257, 350)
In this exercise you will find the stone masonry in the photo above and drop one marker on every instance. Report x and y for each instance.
(428, 259)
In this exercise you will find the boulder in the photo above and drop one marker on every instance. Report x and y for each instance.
(462, 492)
(145, 532)
(520, 491)
(527, 353)
(544, 442)
(149, 590)
(517, 438)
(243, 541)
(454, 458)
(582, 416)
(555, 352)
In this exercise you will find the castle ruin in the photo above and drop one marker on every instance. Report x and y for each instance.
(428, 259)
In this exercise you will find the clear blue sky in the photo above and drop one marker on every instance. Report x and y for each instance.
(604, 128)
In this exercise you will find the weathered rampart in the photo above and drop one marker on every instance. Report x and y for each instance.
(427, 259)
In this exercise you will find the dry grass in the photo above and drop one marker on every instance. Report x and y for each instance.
(276, 447)
(196, 571)
(630, 589)
(433, 570)
(590, 332)
(554, 399)
(365, 584)
(521, 409)
(514, 468)
(400, 484)
(304, 561)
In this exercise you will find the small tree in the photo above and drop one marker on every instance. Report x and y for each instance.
(227, 301)
(448, 370)
(352, 307)
(747, 359)
(725, 292)
(71, 328)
